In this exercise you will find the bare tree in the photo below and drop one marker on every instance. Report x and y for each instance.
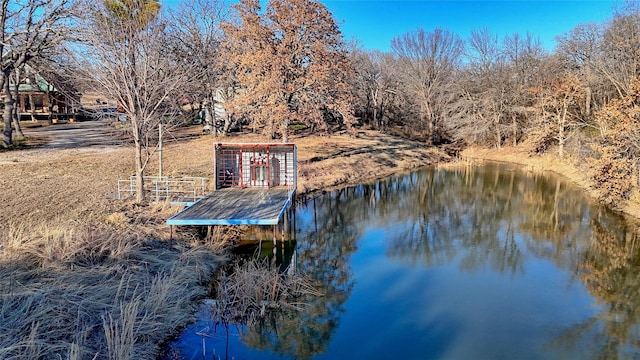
(524, 54)
(525, 58)
(556, 105)
(29, 29)
(567, 93)
(374, 86)
(429, 60)
(484, 86)
(580, 49)
(127, 56)
(620, 50)
(198, 36)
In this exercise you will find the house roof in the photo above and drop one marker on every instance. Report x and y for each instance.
(40, 85)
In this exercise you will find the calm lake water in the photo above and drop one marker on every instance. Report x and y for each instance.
(487, 262)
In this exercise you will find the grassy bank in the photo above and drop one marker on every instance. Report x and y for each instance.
(86, 276)
(93, 293)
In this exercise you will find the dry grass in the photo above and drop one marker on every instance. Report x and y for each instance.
(95, 294)
(326, 162)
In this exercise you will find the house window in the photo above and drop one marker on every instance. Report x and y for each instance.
(38, 102)
(26, 102)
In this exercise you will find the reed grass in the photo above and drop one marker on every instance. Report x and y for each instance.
(252, 289)
(73, 292)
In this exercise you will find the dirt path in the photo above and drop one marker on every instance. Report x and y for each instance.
(97, 133)
(62, 140)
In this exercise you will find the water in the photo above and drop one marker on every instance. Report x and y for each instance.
(485, 262)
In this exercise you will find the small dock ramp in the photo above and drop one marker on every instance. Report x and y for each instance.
(233, 206)
(254, 183)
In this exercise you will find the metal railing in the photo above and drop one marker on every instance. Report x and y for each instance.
(175, 189)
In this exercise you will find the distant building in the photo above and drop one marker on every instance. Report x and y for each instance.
(47, 99)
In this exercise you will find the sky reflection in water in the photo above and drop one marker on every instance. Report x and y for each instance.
(478, 262)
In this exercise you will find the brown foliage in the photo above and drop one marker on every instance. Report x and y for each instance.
(291, 65)
(619, 149)
(612, 175)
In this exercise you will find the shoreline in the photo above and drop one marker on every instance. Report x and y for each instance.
(564, 167)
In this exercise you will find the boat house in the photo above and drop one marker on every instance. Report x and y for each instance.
(254, 185)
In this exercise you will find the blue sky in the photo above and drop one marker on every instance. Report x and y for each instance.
(375, 22)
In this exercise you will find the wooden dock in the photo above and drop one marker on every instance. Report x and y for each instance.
(237, 206)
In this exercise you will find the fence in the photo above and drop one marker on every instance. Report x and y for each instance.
(174, 189)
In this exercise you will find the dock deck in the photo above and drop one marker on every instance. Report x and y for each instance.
(237, 206)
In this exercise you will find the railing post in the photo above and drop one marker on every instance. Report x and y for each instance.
(167, 186)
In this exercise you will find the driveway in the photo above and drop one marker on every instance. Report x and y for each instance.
(85, 137)
(95, 133)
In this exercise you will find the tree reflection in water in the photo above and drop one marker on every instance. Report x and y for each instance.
(476, 211)
(610, 269)
(480, 217)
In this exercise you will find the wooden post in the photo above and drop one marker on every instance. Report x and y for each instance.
(285, 223)
(216, 177)
(160, 150)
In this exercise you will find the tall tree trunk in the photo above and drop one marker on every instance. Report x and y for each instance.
(16, 121)
(227, 124)
(270, 129)
(285, 131)
(588, 93)
(515, 129)
(139, 174)
(430, 124)
(374, 99)
(16, 108)
(587, 101)
(51, 115)
(561, 124)
(137, 138)
(209, 116)
(7, 116)
(496, 123)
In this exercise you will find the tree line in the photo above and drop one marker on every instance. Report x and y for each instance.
(286, 66)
